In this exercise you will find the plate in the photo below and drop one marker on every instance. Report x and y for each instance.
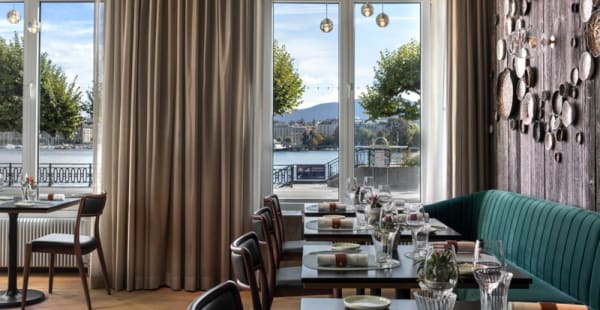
(524, 7)
(530, 76)
(528, 109)
(344, 246)
(520, 66)
(314, 225)
(557, 102)
(6, 198)
(24, 204)
(568, 115)
(574, 76)
(586, 8)
(509, 25)
(521, 89)
(538, 131)
(555, 122)
(500, 49)
(506, 93)
(549, 141)
(586, 66)
(592, 34)
(333, 216)
(579, 137)
(366, 302)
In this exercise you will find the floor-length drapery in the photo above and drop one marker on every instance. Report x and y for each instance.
(468, 111)
(177, 132)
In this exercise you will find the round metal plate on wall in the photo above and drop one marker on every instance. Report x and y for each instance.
(525, 7)
(509, 25)
(586, 7)
(574, 76)
(506, 94)
(555, 122)
(506, 7)
(528, 108)
(520, 66)
(560, 134)
(501, 49)
(558, 157)
(538, 131)
(513, 8)
(521, 89)
(557, 102)
(568, 114)
(586, 66)
(579, 137)
(591, 34)
(549, 141)
(513, 124)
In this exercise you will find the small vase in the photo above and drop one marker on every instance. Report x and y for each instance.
(31, 193)
(25, 192)
(441, 271)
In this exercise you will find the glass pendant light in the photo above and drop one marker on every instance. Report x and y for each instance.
(326, 23)
(13, 16)
(367, 9)
(34, 26)
(382, 19)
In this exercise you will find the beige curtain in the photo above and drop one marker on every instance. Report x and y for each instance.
(177, 132)
(468, 111)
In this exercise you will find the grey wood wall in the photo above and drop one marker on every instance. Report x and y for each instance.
(520, 164)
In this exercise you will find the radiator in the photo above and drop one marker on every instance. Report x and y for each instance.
(31, 228)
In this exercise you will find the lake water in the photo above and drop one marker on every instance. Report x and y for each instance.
(85, 156)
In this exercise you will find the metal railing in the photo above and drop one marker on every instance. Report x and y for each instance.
(283, 175)
(49, 174)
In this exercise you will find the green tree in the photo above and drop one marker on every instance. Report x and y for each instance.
(288, 87)
(59, 101)
(87, 105)
(59, 98)
(397, 73)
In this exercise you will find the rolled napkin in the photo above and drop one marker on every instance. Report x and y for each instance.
(419, 216)
(327, 222)
(459, 246)
(343, 260)
(52, 196)
(545, 306)
(331, 206)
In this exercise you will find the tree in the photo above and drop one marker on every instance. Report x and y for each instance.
(397, 73)
(87, 105)
(288, 87)
(59, 98)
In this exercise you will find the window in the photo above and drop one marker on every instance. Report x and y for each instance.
(353, 98)
(46, 106)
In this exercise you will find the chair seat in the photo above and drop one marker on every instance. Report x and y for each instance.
(63, 241)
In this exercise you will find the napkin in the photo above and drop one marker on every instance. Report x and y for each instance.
(331, 206)
(343, 260)
(545, 306)
(460, 246)
(325, 222)
(51, 196)
(419, 216)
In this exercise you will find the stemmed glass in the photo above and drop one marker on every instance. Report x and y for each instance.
(415, 221)
(489, 270)
(351, 187)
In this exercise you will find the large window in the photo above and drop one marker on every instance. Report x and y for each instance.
(47, 89)
(346, 102)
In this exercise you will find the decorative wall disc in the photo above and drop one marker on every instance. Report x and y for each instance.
(501, 49)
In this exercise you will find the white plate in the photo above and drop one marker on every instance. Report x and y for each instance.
(24, 204)
(310, 261)
(6, 197)
(333, 216)
(344, 246)
(314, 225)
(366, 302)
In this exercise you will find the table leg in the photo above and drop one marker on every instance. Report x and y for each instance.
(402, 293)
(337, 293)
(360, 291)
(376, 291)
(12, 296)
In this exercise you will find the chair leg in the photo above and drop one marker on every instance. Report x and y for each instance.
(103, 265)
(79, 259)
(51, 272)
(28, 251)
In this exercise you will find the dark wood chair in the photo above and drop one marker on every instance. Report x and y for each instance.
(223, 296)
(249, 270)
(73, 244)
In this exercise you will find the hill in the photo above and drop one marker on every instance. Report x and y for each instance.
(323, 111)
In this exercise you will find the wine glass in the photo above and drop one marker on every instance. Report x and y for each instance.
(489, 267)
(415, 221)
(369, 182)
(351, 187)
(385, 194)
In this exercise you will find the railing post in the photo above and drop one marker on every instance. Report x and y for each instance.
(50, 182)
(90, 176)
(292, 177)
(10, 174)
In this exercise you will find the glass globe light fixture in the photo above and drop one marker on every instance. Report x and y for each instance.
(367, 9)
(326, 25)
(382, 20)
(34, 26)
(13, 16)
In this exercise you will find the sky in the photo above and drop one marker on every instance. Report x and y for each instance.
(67, 35)
(316, 53)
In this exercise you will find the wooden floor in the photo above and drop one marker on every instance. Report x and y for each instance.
(68, 294)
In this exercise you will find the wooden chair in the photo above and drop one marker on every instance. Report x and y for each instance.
(73, 244)
(249, 270)
(223, 296)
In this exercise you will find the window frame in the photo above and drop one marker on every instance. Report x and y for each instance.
(346, 86)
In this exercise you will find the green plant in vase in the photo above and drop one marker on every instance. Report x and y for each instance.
(29, 188)
(438, 271)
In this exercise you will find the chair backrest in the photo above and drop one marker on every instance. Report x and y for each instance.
(249, 269)
(90, 206)
(223, 296)
(266, 232)
(272, 201)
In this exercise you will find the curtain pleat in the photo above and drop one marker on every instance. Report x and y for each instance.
(468, 116)
(176, 149)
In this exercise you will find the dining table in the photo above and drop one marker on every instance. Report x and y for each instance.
(311, 232)
(11, 297)
(402, 278)
(396, 304)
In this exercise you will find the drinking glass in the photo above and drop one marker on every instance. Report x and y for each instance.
(489, 271)
(385, 193)
(1, 182)
(362, 209)
(369, 182)
(415, 221)
(388, 227)
(429, 300)
(351, 187)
